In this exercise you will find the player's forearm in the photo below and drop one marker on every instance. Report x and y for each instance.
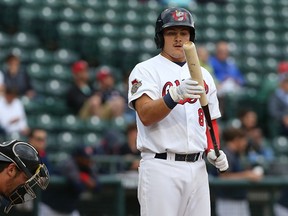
(151, 111)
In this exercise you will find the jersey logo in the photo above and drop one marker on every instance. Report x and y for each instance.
(179, 16)
(135, 86)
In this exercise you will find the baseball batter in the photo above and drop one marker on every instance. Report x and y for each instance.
(172, 133)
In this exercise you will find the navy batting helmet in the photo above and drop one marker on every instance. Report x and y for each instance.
(173, 17)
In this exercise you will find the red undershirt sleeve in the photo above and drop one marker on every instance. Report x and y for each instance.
(209, 140)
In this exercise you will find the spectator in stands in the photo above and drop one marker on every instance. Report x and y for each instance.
(278, 102)
(38, 138)
(231, 200)
(79, 176)
(129, 148)
(203, 55)
(15, 76)
(12, 113)
(81, 96)
(113, 100)
(258, 150)
(226, 71)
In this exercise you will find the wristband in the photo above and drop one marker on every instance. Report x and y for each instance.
(169, 101)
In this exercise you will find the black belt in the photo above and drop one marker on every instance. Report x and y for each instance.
(180, 157)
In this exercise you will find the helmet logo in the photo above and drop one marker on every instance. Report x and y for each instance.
(179, 16)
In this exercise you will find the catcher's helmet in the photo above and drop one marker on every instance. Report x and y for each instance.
(173, 17)
(26, 158)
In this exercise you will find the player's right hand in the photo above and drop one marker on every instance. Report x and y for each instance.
(187, 89)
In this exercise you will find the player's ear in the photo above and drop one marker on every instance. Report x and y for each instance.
(11, 170)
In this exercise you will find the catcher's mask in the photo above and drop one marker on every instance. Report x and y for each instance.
(173, 17)
(27, 160)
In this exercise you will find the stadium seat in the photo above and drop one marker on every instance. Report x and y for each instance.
(27, 18)
(67, 35)
(213, 8)
(42, 56)
(5, 40)
(107, 51)
(67, 141)
(70, 14)
(38, 71)
(3, 54)
(280, 145)
(119, 124)
(93, 4)
(25, 40)
(65, 56)
(131, 16)
(269, 64)
(128, 45)
(55, 4)
(9, 15)
(60, 72)
(71, 122)
(148, 31)
(87, 29)
(56, 88)
(272, 50)
(251, 35)
(250, 22)
(95, 124)
(211, 34)
(46, 121)
(90, 16)
(231, 34)
(47, 20)
(130, 31)
(252, 49)
(147, 46)
(50, 103)
(253, 79)
(108, 30)
(91, 139)
(231, 21)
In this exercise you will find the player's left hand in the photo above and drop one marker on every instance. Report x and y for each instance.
(220, 162)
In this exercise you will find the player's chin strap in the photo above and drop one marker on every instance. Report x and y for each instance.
(26, 192)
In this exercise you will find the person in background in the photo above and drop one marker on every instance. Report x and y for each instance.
(203, 55)
(233, 200)
(259, 152)
(278, 101)
(38, 138)
(21, 170)
(228, 75)
(16, 76)
(13, 118)
(79, 175)
(129, 148)
(113, 100)
(81, 96)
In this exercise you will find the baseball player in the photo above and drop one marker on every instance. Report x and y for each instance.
(172, 134)
(20, 172)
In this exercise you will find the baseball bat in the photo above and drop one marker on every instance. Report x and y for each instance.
(196, 74)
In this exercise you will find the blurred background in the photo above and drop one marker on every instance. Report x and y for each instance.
(49, 36)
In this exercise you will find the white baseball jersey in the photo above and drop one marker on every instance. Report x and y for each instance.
(183, 130)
